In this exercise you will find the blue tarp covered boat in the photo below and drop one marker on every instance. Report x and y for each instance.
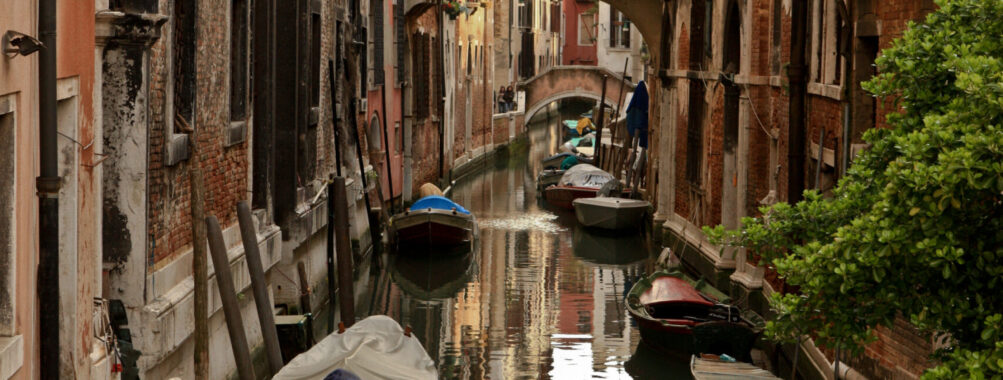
(433, 221)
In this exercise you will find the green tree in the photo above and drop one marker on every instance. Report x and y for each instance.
(915, 228)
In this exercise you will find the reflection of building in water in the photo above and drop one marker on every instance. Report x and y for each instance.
(611, 342)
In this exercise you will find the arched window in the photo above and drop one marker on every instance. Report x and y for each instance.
(373, 135)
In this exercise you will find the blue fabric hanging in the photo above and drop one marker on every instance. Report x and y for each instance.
(637, 115)
(438, 203)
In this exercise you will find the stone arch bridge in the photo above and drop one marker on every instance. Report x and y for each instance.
(565, 82)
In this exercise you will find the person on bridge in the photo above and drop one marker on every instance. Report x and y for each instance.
(502, 104)
(510, 98)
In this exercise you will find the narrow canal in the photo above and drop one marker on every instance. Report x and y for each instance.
(537, 296)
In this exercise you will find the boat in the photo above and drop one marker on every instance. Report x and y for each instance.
(433, 221)
(580, 181)
(571, 127)
(548, 177)
(554, 162)
(712, 367)
(675, 313)
(374, 348)
(611, 213)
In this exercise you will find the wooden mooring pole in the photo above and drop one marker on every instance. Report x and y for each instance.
(346, 289)
(602, 123)
(228, 295)
(260, 287)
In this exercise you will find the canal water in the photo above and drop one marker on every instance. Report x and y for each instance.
(536, 296)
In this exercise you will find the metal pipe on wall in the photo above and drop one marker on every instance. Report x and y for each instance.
(796, 126)
(47, 185)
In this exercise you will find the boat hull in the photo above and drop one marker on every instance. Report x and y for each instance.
(610, 213)
(432, 228)
(564, 196)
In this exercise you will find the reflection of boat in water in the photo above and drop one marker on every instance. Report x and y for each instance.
(649, 363)
(676, 313)
(608, 248)
(374, 348)
(433, 221)
(433, 277)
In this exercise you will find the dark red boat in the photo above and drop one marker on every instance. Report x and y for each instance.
(563, 196)
(433, 221)
(677, 314)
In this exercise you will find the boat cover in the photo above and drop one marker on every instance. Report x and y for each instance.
(439, 203)
(374, 348)
(585, 175)
(669, 289)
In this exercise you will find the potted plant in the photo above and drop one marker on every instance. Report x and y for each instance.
(453, 9)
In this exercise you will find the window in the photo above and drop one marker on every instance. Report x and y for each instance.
(373, 135)
(587, 29)
(314, 77)
(401, 40)
(555, 16)
(694, 132)
(7, 254)
(184, 60)
(697, 19)
(525, 14)
(619, 30)
(238, 60)
(826, 62)
(421, 70)
(376, 13)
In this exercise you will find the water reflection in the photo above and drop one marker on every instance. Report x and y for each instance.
(538, 297)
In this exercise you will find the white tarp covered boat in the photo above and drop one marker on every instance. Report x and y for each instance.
(610, 213)
(374, 348)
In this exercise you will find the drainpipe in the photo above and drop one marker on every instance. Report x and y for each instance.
(47, 184)
(796, 124)
(442, 77)
(848, 84)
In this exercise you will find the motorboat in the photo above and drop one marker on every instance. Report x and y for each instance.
(611, 213)
(713, 367)
(580, 181)
(677, 314)
(548, 177)
(433, 221)
(554, 162)
(374, 348)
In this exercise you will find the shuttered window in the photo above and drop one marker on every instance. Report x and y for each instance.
(239, 67)
(420, 64)
(401, 40)
(376, 9)
(184, 60)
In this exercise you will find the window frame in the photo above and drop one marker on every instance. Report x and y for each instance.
(8, 290)
(591, 29)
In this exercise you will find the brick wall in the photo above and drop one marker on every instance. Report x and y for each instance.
(224, 168)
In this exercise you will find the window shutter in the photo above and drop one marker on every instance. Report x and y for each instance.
(377, 13)
(401, 38)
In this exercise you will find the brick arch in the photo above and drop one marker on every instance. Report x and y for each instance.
(563, 82)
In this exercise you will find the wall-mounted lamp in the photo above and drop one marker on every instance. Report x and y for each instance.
(15, 43)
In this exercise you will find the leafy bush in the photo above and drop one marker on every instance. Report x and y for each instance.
(915, 228)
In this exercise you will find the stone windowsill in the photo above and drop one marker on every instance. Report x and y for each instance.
(11, 355)
(830, 91)
(236, 133)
